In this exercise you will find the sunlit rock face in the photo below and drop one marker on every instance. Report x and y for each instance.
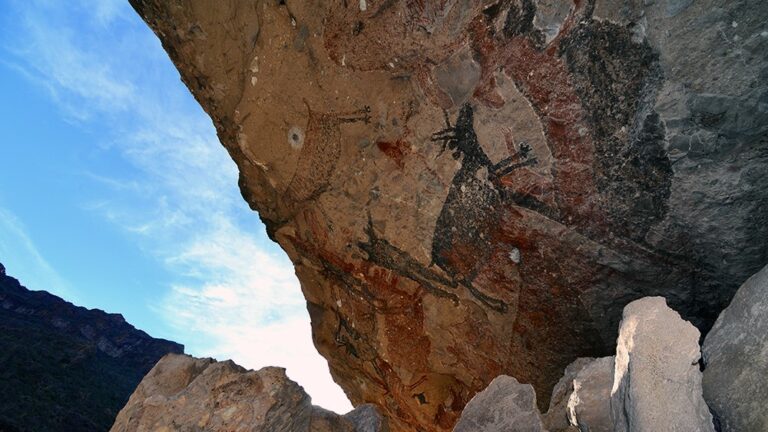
(474, 188)
(183, 393)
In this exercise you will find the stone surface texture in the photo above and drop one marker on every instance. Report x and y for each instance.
(589, 405)
(581, 399)
(504, 406)
(471, 188)
(556, 417)
(65, 367)
(736, 358)
(657, 380)
(183, 393)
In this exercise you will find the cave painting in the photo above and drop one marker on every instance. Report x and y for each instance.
(494, 236)
(320, 151)
(471, 209)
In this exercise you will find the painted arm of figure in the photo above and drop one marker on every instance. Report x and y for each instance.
(518, 160)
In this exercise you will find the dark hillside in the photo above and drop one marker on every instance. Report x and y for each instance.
(65, 367)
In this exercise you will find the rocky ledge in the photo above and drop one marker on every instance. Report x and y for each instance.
(65, 367)
(475, 188)
(183, 393)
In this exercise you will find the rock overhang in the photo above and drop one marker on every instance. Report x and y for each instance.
(469, 189)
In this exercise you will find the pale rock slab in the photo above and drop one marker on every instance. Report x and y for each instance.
(504, 406)
(657, 381)
(589, 405)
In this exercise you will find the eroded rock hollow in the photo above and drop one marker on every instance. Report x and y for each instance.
(470, 188)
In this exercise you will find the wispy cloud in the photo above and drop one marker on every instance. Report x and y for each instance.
(73, 77)
(22, 257)
(235, 295)
(249, 310)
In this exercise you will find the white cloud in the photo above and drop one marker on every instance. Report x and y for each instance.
(23, 261)
(287, 343)
(235, 296)
(104, 12)
(73, 76)
(249, 311)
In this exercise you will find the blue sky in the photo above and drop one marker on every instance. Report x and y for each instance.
(115, 193)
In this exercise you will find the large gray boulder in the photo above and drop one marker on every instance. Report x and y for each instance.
(504, 406)
(736, 358)
(657, 381)
(589, 405)
(184, 393)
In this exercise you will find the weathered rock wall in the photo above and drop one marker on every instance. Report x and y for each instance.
(475, 188)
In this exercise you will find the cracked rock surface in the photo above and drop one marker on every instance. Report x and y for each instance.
(476, 188)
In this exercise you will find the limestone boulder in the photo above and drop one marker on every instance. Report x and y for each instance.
(191, 394)
(589, 404)
(505, 406)
(581, 399)
(736, 359)
(657, 380)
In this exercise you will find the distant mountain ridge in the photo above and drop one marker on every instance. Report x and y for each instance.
(64, 367)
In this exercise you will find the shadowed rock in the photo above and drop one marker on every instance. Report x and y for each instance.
(589, 405)
(556, 418)
(657, 381)
(736, 358)
(581, 399)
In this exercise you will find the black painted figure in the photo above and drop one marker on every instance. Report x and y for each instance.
(474, 200)
(465, 222)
